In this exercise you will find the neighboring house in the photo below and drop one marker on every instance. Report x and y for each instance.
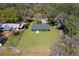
(9, 26)
(6, 28)
(40, 27)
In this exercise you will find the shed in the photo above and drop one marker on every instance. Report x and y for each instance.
(40, 27)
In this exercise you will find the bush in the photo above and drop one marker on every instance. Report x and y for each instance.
(26, 25)
(17, 33)
(65, 47)
(39, 22)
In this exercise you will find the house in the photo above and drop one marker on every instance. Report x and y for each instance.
(44, 20)
(40, 27)
(9, 26)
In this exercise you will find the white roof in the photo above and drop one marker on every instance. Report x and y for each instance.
(13, 25)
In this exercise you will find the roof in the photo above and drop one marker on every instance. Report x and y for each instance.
(6, 28)
(40, 26)
(13, 25)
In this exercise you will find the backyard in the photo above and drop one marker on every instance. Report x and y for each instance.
(32, 43)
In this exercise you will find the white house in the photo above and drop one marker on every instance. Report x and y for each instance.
(8, 26)
(44, 20)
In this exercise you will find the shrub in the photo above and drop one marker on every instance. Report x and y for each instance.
(65, 47)
(17, 33)
(39, 22)
(26, 25)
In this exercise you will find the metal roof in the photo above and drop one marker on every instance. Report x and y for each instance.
(13, 25)
(8, 26)
(40, 26)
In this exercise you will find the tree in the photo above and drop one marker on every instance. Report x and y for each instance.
(71, 25)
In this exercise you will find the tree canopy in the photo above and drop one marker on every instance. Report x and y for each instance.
(13, 12)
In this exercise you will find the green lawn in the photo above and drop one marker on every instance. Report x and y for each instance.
(32, 39)
(35, 44)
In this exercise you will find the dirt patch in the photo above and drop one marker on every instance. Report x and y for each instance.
(41, 51)
(2, 50)
(15, 50)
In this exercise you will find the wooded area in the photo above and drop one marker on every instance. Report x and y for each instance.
(54, 12)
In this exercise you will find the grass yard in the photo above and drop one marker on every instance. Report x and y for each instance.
(40, 42)
(36, 44)
(32, 39)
